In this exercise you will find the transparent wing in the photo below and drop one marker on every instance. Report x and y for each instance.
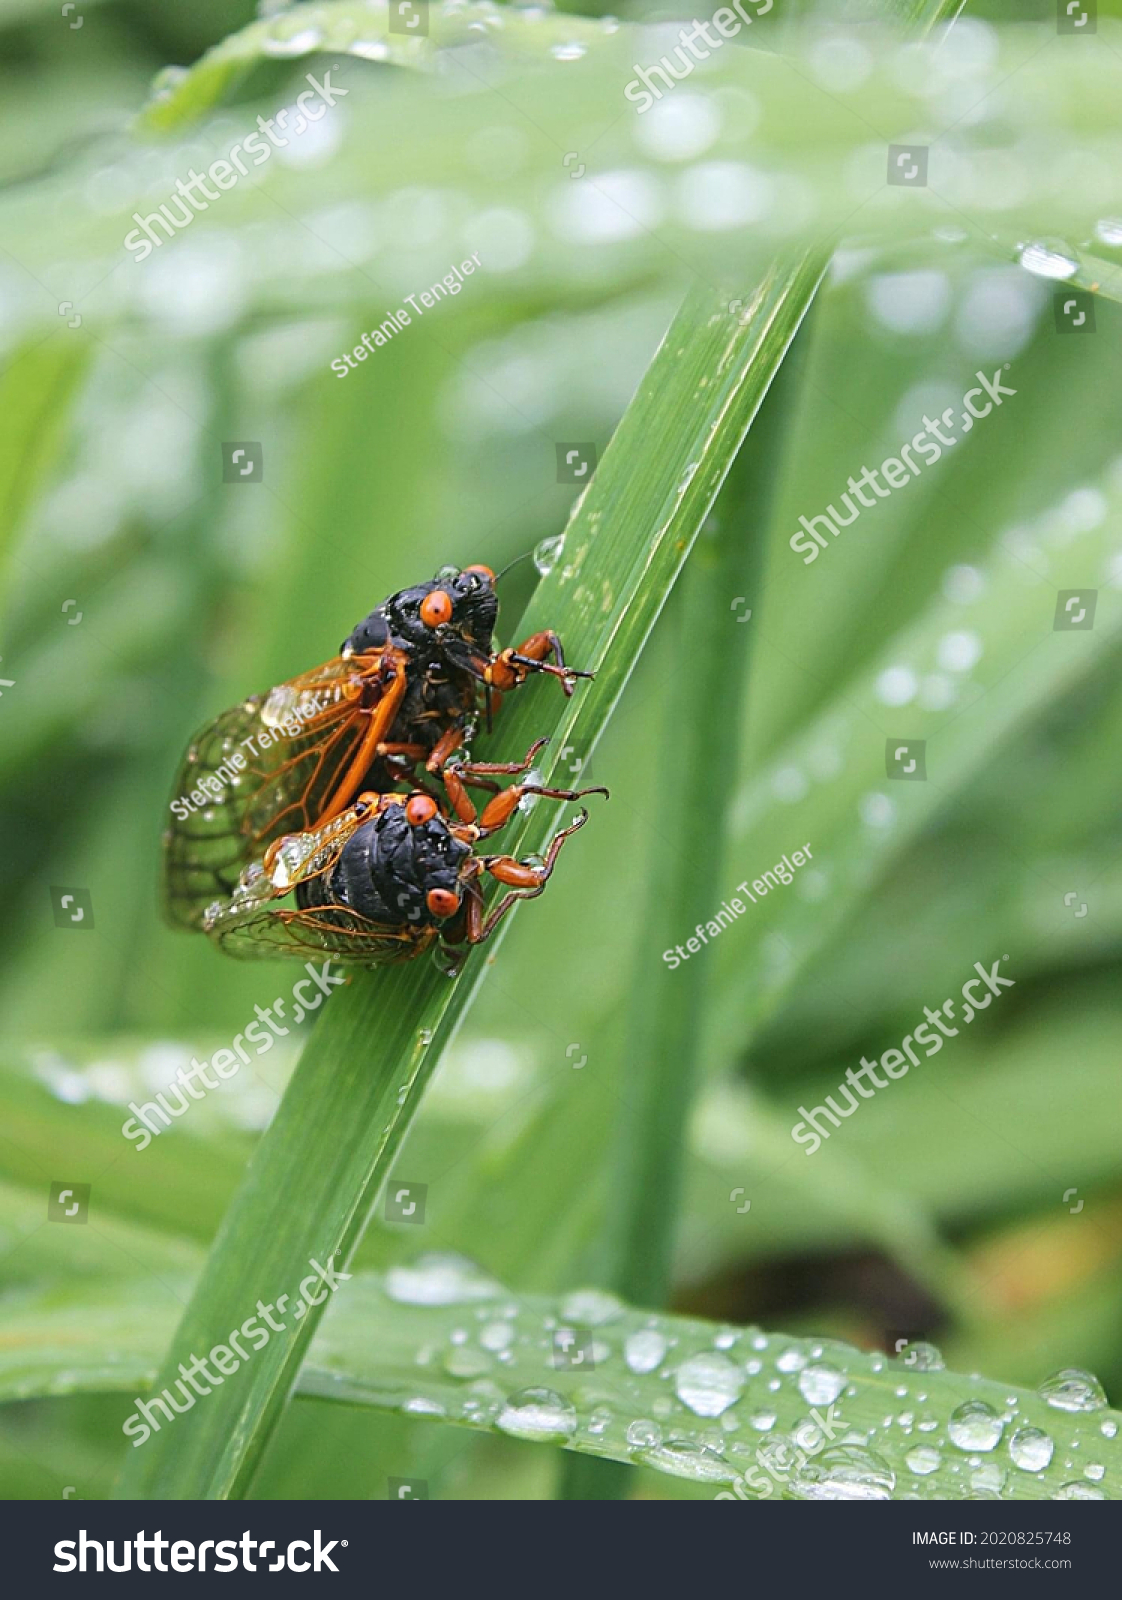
(266, 932)
(253, 923)
(275, 764)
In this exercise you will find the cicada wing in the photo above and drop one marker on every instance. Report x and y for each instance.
(268, 932)
(275, 764)
(254, 923)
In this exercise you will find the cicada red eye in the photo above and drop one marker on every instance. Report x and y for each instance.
(436, 608)
(442, 902)
(419, 808)
(480, 568)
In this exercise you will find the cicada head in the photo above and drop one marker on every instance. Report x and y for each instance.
(454, 612)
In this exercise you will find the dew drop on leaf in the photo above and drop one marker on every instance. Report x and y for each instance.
(1031, 1449)
(820, 1384)
(975, 1426)
(590, 1307)
(846, 1472)
(1049, 258)
(537, 1413)
(923, 1459)
(547, 553)
(1071, 1389)
(685, 1458)
(438, 1279)
(644, 1350)
(708, 1383)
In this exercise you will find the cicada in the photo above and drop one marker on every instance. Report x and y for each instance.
(407, 684)
(389, 877)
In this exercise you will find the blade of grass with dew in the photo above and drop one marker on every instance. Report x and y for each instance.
(317, 1171)
(666, 1009)
(774, 1394)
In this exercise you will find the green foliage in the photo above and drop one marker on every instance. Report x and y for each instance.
(586, 1115)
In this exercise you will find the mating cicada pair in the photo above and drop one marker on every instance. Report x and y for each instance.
(344, 792)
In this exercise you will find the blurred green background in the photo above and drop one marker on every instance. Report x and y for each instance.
(939, 1209)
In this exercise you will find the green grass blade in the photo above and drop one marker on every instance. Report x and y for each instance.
(666, 1009)
(360, 1080)
(730, 1410)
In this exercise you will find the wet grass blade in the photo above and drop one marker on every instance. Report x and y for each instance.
(730, 1410)
(666, 1009)
(317, 1171)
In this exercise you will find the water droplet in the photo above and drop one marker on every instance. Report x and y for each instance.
(369, 49)
(1095, 1472)
(538, 1414)
(763, 1421)
(279, 705)
(820, 1384)
(846, 1472)
(439, 1280)
(959, 651)
(420, 1405)
(644, 1434)
(923, 1357)
(708, 1383)
(462, 1361)
(877, 810)
(496, 1336)
(1031, 1449)
(163, 86)
(1108, 1429)
(975, 1426)
(923, 1459)
(963, 585)
(988, 1478)
(570, 50)
(547, 553)
(447, 960)
(1109, 230)
(590, 1307)
(1078, 1491)
(1049, 258)
(290, 37)
(1070, 1389)
(643, 1351)
(896, 686)
(599, 1419)
(684, 1458)
(790, 1360)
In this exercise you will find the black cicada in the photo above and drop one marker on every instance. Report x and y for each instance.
(405, 686)
(388, 877)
